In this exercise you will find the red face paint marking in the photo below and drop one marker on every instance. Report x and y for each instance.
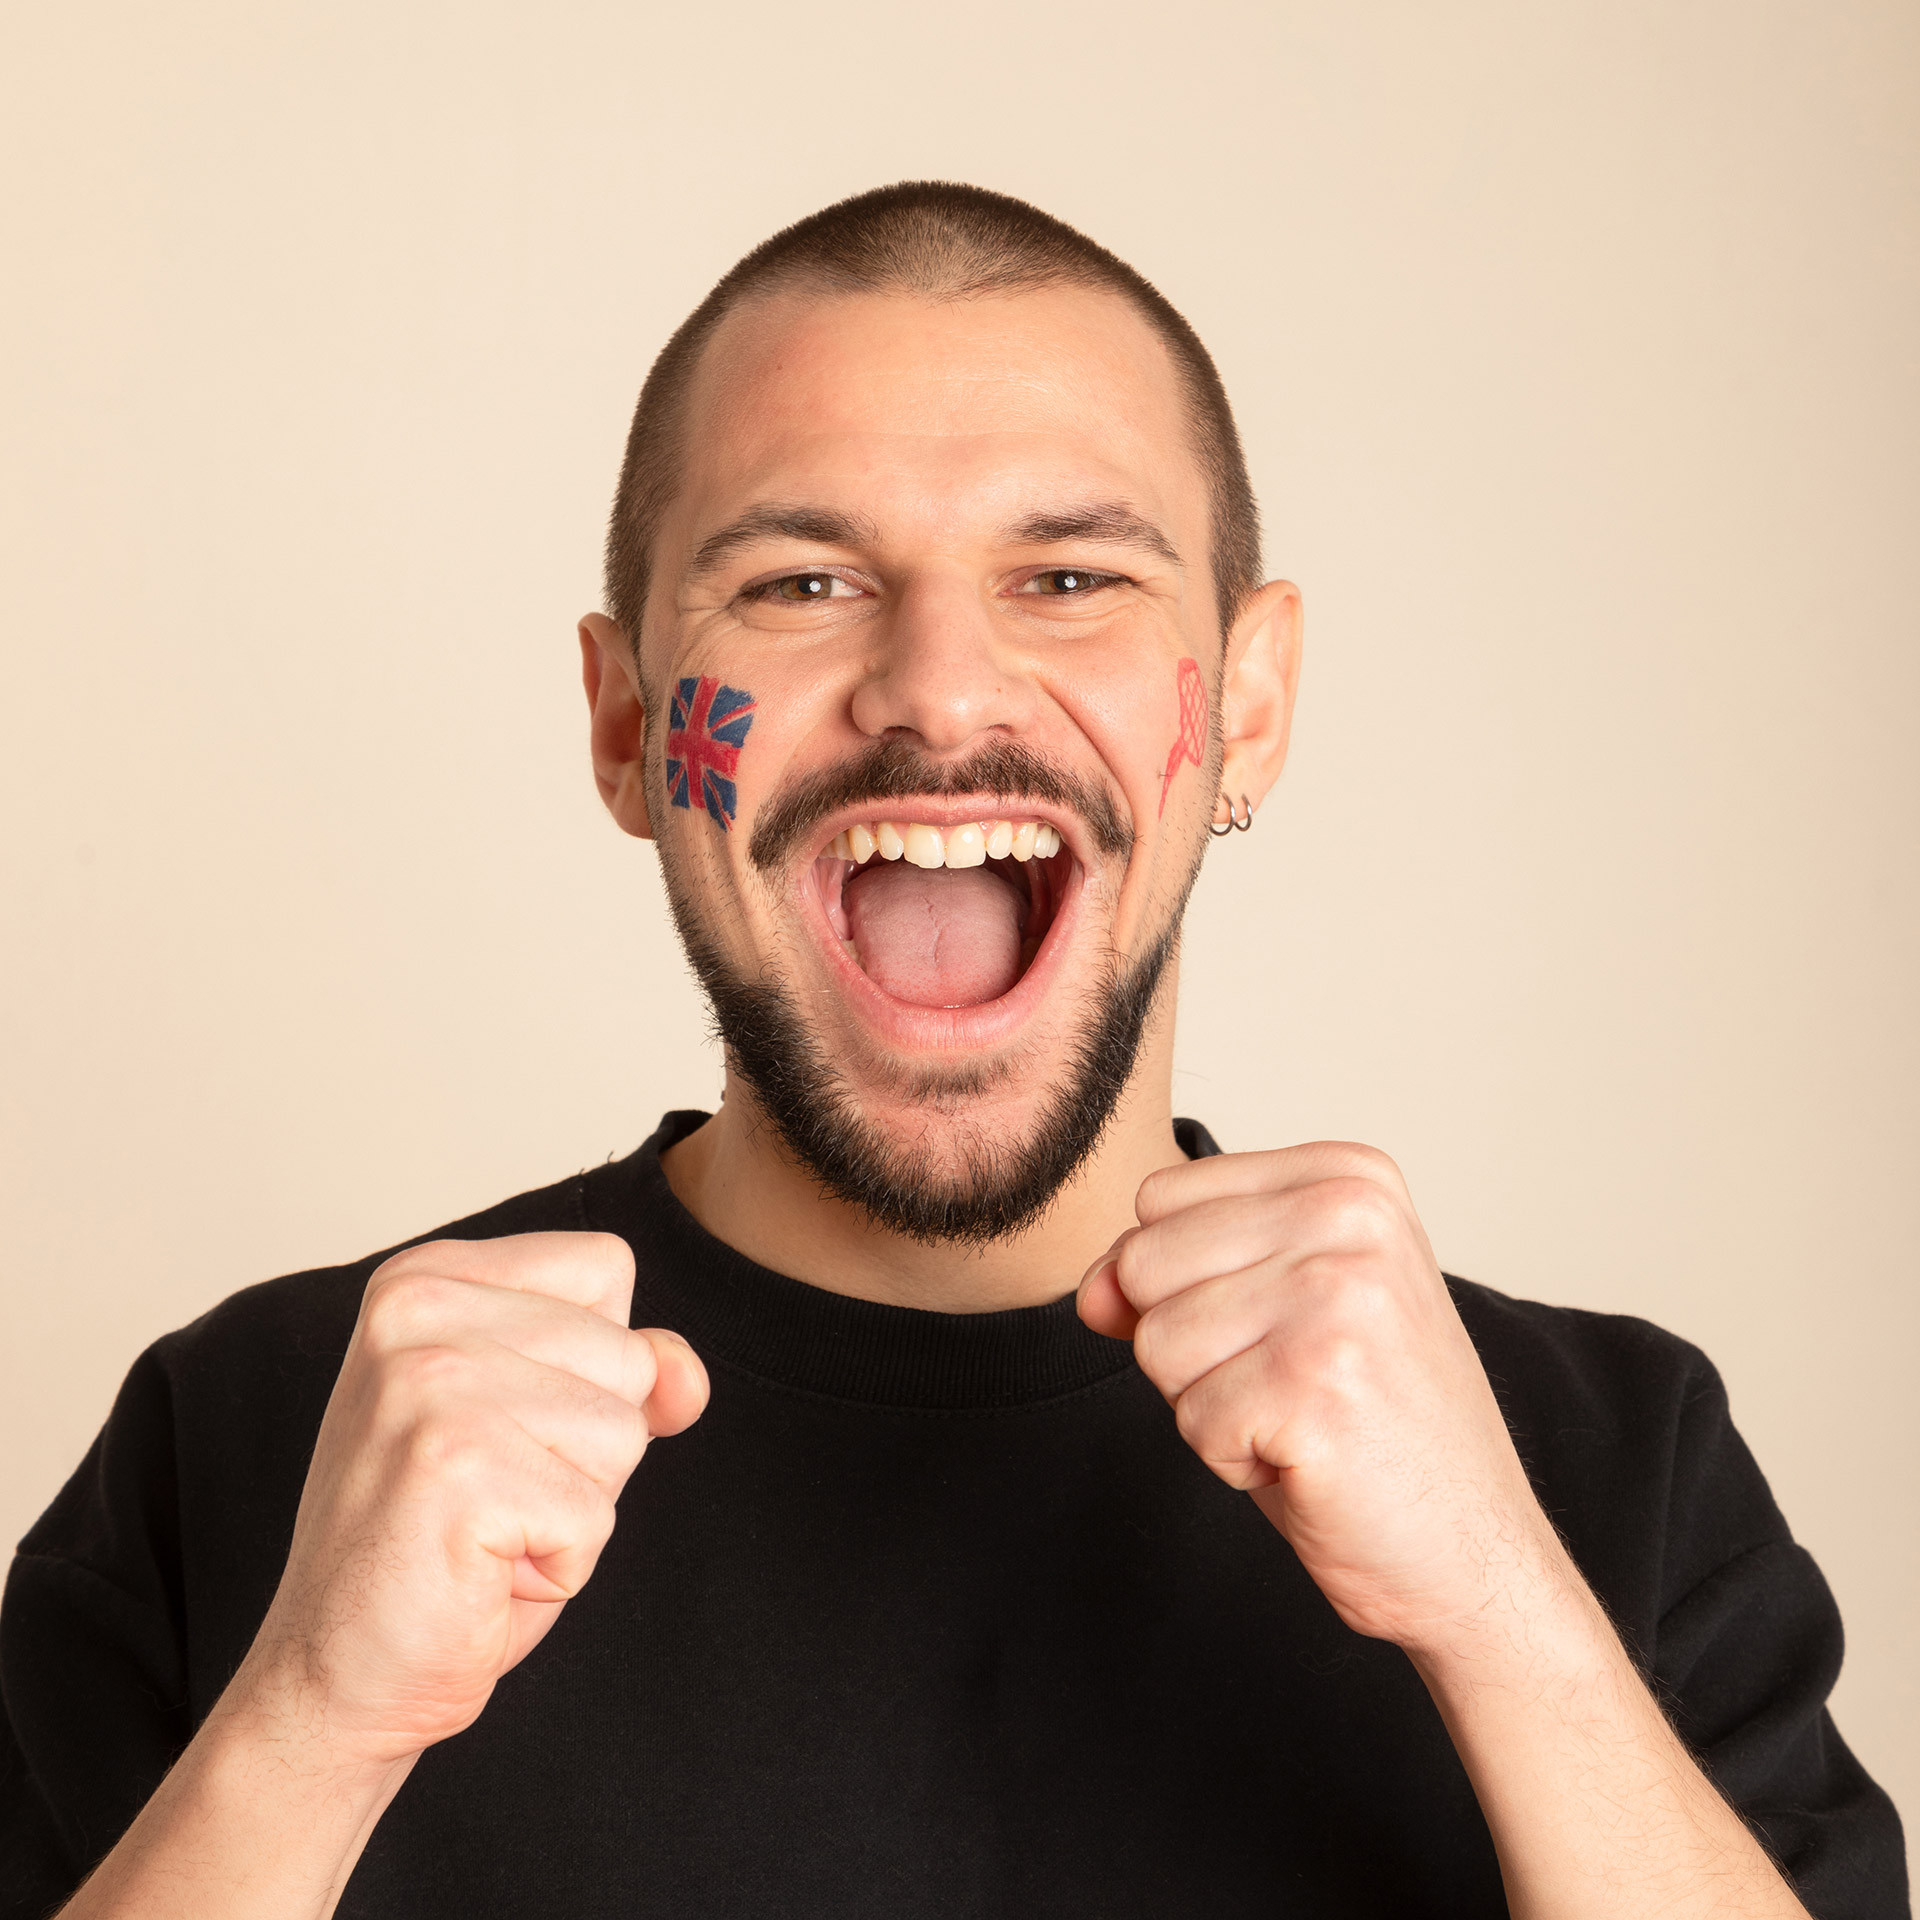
(1192, 743)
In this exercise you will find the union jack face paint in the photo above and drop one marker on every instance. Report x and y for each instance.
(706, 729)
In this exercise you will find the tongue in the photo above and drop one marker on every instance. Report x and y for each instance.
(939, 937)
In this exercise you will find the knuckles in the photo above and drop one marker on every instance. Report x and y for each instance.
(1226, 1424)
(1174, 1349)
(405, 1300)
(1356, 1290)
(450, 1448)
(625, 1434)
(1355, 1205)
(1159, 1192)
(598, 1518)
(1329, 1356)
(1351, 1210)
(1368, 1162)
(1155, 1345)
(420, 1378)
(1197, 1421)
(614, 1257)
(1338, 1366)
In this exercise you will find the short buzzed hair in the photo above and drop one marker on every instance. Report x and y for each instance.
(935, 240)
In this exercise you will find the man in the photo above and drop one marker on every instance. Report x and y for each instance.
(1069, 1518)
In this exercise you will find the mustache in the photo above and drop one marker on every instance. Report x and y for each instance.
(897, 769)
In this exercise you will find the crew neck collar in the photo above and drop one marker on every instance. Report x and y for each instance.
(784, 1330)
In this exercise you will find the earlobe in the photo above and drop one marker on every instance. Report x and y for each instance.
(618, 722)
(1262, 676)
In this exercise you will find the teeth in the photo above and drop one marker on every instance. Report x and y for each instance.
(924, 848)
(972, 844)
(966, 847)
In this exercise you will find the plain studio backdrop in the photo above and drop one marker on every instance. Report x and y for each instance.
(1575, 350)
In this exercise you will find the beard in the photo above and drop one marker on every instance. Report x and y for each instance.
(977, 1185)
(990, 1187)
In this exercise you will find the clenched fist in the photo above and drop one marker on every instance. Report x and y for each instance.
(491, 1405)
(1290, 1309)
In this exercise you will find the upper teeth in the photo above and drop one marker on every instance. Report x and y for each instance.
(969, 845)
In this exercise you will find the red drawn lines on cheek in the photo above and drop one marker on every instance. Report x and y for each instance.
(1192, 743)
(705, 732)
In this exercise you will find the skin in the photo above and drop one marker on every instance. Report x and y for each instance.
(940, 428)
(1286, 1304)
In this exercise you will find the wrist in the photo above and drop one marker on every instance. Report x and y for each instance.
(1533, 1615)
(272, 1723)
(1591, 1797)
(258, 1815)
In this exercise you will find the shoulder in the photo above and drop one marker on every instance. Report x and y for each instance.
(303, 1319)
(1627, 1435)
(183, 1507)
(240, 1391)
(1572, 1370)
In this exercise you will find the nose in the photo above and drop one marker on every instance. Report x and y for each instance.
(941, 673)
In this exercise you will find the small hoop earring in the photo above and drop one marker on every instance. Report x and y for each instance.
(1236, 822)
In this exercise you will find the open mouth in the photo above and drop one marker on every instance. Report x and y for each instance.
(945, 916)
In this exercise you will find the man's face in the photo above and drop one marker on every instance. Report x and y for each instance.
(930, 660)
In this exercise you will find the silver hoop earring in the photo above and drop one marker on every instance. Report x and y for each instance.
(1236, 822)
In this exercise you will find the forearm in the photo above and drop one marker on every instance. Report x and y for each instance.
(1595, 1806)
(255, 1822)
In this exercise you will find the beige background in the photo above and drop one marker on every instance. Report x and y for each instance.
(1575, 347)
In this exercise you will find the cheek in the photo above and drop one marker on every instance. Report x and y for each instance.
(739, 727)
(1189, 747)
(710, 720)
(1148, 720)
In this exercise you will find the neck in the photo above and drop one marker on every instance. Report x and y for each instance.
(736, 1178)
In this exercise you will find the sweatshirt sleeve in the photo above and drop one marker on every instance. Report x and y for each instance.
(135, 1596)
(1626, 1432)
(1745, 1653)
(93, 1706)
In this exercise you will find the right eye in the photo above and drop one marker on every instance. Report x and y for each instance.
(803, 589)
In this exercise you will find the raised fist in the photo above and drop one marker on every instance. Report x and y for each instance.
(490, 1407)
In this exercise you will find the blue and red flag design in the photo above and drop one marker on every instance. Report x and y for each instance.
(705, 732)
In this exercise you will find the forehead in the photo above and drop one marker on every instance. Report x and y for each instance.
(938, 413)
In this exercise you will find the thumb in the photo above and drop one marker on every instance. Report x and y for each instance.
(1103, 1306)
(680, 1386)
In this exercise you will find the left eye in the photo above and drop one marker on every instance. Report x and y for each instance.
(1070, 581)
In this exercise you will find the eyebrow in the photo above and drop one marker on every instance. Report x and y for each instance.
(1111, 521)
(821, 524)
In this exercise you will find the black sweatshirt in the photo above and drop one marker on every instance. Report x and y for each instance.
(930, 1614)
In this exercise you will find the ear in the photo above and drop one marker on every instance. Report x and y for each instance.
(619, 722)
(1262, 675)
